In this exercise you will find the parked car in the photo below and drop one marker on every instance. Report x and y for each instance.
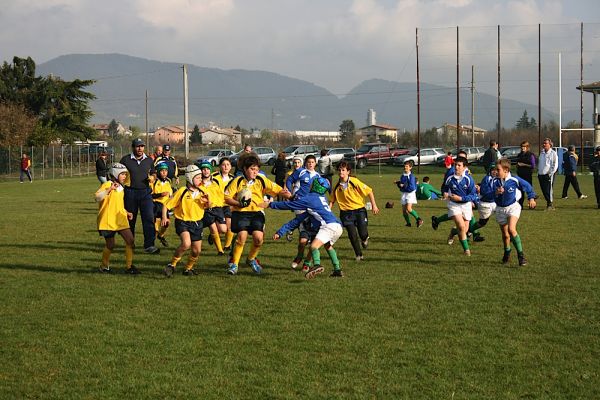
(301, 150)
(373, 153)
(428, 156)
(474, 154)
(337, 154)
(510, 153)
(266, 155)
(214, 156)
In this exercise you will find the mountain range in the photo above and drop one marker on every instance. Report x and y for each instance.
(260, 99)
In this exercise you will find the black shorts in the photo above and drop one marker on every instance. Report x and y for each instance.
(158, 208)
(305, 232)
(354, 217)
(212, 215)
(107, 234)
(227, 211)
(247, 221)
(194, 228)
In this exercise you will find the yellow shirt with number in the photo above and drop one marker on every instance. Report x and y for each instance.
(259, 187)
(112, 215)
(187, 204)
(159, 187)
(350, 195)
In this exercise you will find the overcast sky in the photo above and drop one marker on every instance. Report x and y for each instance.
(332, 43)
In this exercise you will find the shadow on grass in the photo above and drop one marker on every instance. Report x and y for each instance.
(76, 246)
(45, 268)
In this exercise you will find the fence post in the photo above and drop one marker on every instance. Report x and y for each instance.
(79, 160)
(32, 163)
(62, 161)
(43, 163)
(71, 152)
(9, 169)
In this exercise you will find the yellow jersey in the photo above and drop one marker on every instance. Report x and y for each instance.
(259, 187)
(112, 215)
(159, 187)
(215, 192)
(350, 195)
(187, 204)
(224, 179)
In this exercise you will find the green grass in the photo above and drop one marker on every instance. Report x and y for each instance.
(416, 319)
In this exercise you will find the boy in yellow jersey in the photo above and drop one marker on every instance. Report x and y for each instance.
(188, 205)
(113, 218)
(223, 176)
(214, 218)
(350, 192)
(162, 191)
(247, 216)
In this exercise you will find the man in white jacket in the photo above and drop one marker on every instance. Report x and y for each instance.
(547, 167)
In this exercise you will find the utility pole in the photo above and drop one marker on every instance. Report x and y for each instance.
(418, 105)
(147, 134)
(185, 112)
(457, 93)
(473, 105)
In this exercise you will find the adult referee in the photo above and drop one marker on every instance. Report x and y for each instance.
(138, 195)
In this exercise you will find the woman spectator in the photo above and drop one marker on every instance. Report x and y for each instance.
(525, 165)
(280, 169)
(102, 167)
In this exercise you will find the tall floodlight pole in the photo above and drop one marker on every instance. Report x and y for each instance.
(457, 94)
(581, 95)
(418, 104)
(147, 133)
(540, 86)
(499, 119)
(559, 101)
(473, 105)
(185, 112)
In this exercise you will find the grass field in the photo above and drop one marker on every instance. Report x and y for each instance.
(416, 319)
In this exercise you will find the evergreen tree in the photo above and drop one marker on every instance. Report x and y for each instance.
(523, 122)
(196, 136)
(347, 130)
(113, 129)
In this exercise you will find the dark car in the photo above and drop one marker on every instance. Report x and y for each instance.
(510, 153)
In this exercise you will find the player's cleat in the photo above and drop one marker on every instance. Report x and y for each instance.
(506, 257)
(152, 250)
(565, 197)
(434, 222)
(451, 238)
(305, 268)
(162, 240)
(419, 222)
(583, 196)
(190, 272)
(232, 269)
(359, 258)
(522, 260)
(254, 264)
(314, 271)
(365, 243)
(337, 273)
(226, 248)
(468, 253)
(169, 270)
(408, 225)
(289, 236)
(220, 253)
(550, 208)
(104, 270)
(133, 270)
(478, 238)
(296, 262)
(211, 241)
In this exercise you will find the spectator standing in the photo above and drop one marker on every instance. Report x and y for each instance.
(25, 168)
(280, 169)
(448, 160)
(325, 166)
(158, 152)
(525, 165)
(102, 167)
(490, 156)
(595, 168)
(167, 158)
(548, 165)
(570, 169)
(138, 194)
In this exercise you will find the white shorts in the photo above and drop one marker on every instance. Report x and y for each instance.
(464, 209)
(486, 209)
(502, 213)
(329, 232)
(409, 198)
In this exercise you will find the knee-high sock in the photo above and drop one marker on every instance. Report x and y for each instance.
(406, 217)
(254, 249)
(228, 238)
(128, 255)
(443, 218)
(106, 256)
(162, 230)
(516, 240)
(316, 255)
(465, 244)
(334, 259)
(217, 240)
(175, 260)
(414, 214)
(157, 225)
(238, 249)
(191, 261)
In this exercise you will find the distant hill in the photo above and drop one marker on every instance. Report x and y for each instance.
(259, 99)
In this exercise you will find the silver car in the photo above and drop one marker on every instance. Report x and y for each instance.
(428, 156)
(214, 156)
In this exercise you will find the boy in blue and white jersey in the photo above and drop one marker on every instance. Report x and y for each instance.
(408, 186)
(436, 221)
(460, 192)
(316, 206)
(507, 189)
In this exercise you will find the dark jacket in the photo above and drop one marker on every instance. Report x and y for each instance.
(280, 169)
(525, 172)
(595, 167)
(489, 157)
(570, 163)
(101, 168)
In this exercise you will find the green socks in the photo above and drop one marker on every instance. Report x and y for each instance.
(516, 240)
(465, 244)
(443, 218)
(316, 256)
(406, 218)
(414, 214)
(334, 260)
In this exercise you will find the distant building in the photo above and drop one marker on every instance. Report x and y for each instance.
(450, 129)
(375, 132)
(102, 130)
(217, 135)
(170, 134)
(307, 136)
(371, 117)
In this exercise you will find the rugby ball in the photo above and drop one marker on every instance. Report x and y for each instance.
(245, 197)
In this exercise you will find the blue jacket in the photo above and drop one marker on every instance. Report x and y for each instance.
(409, 181)
(513, 186)
(314, 204)
(569, 163)
(449, 172)
(487, 191)
(462, 186)
(311, 224)
(298, 183)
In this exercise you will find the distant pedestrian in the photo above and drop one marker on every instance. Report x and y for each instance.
(570, 169)
(525, 165)
(548, 165)
(325, 166)
(167, 158)
(595, 168)
(102, 167)
(280, 169)
(25, 168)
(448, 160)
(490, 156)
(158, 152)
